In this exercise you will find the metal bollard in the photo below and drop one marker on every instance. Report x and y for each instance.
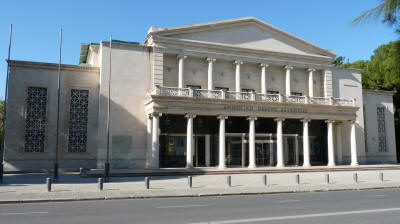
(147, 182)
(297, 178)
(265, 180)
(355, 177)
(48, 184)
(327, 178)
(381, 177)
(100, 182)
(228, 181)
(190, 181)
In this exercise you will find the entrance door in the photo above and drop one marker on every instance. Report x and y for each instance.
(173, 150)
(234, 151)
(265, 153)
(200, 151)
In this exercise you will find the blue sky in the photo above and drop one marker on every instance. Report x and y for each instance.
(37, 24)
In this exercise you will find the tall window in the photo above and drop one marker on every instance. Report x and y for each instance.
(35, 126)
(78, 120)
(381, 129)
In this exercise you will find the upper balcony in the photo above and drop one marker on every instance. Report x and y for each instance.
(249, 96)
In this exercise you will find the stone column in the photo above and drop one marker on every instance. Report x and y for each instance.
(222, 119)
(237, 75)
(155, 150)
(306, 144)
(252, 144)
(339, 143)
(288, 68)
(279, 142)
(210, 73)
(331, 152)
(263, 78)
(149, 140)
(353, 143)
(208, 147)
(310, 82)
(189, 140)
(181, 80)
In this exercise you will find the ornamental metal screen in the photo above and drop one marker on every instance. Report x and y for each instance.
(35, 126)
(78, 120)
(381, 129)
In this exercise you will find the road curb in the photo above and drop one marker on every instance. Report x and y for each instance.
(187, 195)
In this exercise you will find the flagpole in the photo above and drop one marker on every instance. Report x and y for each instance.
(5, 108)
(55, 177)
(107, 164)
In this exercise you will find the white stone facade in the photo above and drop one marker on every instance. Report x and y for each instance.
(242, 68)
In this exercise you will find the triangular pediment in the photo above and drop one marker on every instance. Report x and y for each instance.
(248, 33)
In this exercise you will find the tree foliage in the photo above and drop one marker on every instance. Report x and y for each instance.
(388, 11)
(382, 71)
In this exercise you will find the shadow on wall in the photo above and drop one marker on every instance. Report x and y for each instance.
(127, 144)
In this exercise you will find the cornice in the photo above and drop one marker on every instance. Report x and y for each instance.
(379, 92)
(226, 47)
(51, 66)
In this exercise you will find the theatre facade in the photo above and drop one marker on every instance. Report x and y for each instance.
(232, 93)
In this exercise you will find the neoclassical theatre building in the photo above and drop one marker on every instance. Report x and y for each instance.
(232, 93)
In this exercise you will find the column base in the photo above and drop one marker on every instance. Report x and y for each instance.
(251, 166)
(222, 167)
(280, 165)
(331, 165)
(354, 164)
(189, 167)
(306, 165)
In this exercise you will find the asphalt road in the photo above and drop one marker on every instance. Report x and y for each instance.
(369, 206)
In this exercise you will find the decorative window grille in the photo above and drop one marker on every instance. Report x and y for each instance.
(35, 119)
(78, 120)
(381, 129)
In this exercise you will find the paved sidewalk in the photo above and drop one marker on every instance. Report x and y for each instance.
(32, 188)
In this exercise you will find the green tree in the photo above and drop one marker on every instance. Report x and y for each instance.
(388, 11)
(382, 71)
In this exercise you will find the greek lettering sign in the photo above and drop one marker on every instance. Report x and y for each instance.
(266, 109)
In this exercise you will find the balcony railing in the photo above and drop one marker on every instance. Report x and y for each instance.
(250, 96)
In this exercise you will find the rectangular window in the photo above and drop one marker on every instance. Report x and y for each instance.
(248, 90)
(272, 92)
(381, 129)
(222, 88)
(78, 120)
(35, 119)
(296, 94)
(193, 87)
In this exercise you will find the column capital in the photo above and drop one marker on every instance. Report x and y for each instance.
(149, 116)
(209, 59)
(288, 67)
(310, 69)
(238, 62)
(279, 119)
(330, 121)
(156, 114)
(188, 115)
(352, 121)
(305, 120)
(181, 56)
(222, 117)
(251, 118)
(338, 123)
(264, 65)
